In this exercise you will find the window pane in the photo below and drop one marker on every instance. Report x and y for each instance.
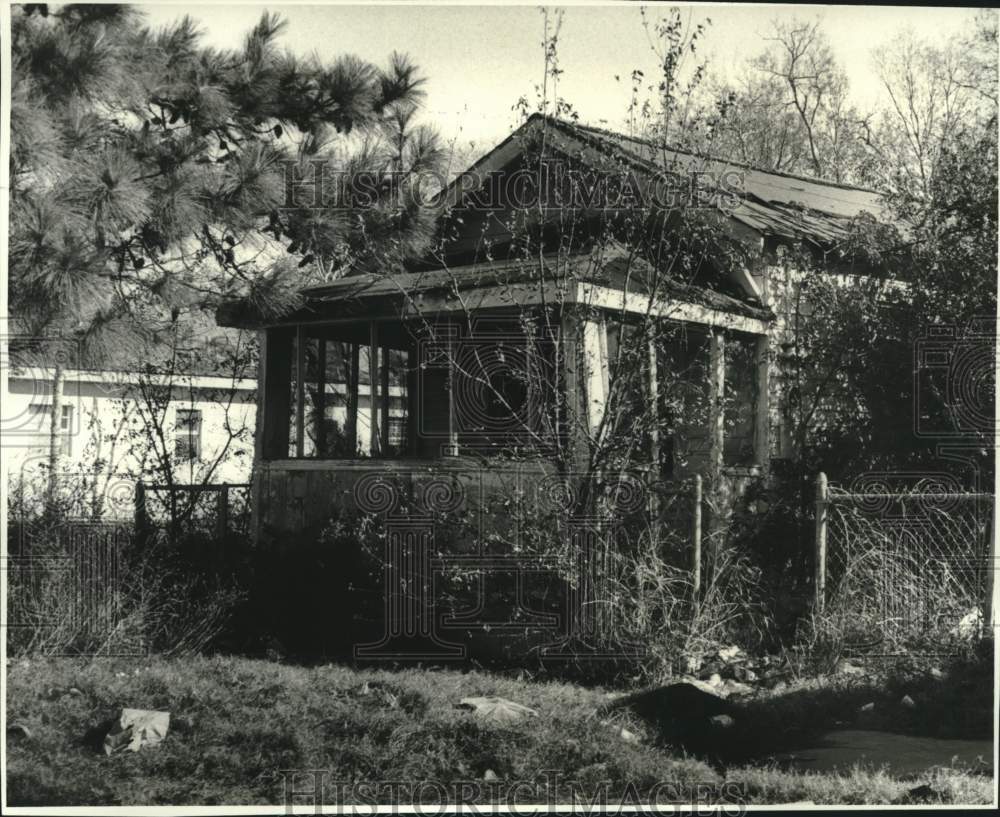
(326, 398)
(340, 404)
(66, 430)
(187, 434)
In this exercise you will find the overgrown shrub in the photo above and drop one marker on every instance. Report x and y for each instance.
(892, 604)
(91, 589)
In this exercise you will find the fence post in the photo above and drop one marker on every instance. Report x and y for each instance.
(822, 505)
(696, 544)
(140, 510)
(989, 604)
(222, 513)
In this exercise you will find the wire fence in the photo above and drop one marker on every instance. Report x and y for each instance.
(896, 567)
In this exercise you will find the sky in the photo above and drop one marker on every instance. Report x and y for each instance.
(479, 59)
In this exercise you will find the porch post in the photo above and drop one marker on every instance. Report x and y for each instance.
(716, 397)
(386, 398)
(573, 414)
(717, 441)
(822, 510)
(261, 448)
(263, 404)
(452, 448)
(373, 438)
(654, 407)
(595, 387)
(300, 390)
(319, 408)
(990, 602)
(696, 500)
(353, 395)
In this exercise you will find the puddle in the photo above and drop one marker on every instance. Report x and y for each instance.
(903, 755)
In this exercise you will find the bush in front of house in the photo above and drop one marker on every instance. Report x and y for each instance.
(93, 589)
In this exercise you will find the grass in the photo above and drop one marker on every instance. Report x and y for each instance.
(236, 723)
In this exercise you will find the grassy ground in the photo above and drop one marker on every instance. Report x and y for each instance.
(238, 723)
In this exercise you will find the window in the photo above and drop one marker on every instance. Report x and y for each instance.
(66, 431)
(683, 402)
(41, 422)
(187, 435)
(351, 402)
(397, 433)
(388, 389)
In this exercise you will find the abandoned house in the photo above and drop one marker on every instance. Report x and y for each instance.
(458, 348)
(501, 355)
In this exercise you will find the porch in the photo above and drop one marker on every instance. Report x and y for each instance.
(502, 369)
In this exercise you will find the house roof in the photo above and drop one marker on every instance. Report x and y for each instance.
(769, 203)
(766, 204)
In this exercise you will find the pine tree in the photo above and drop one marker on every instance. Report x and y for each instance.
(149, 173)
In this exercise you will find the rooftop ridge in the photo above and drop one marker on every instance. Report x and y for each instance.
(650, 143)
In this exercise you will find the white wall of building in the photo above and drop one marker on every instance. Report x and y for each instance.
(109, 428)
(112, 434)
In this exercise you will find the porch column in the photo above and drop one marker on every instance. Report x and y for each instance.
(595, 351)
(373, 438)
(716, 401)
(384, 389)
(451, 450)
(572, 414)
(353, 398)
(300, 390)
(319, 409)
(654, 406)
(717, 440)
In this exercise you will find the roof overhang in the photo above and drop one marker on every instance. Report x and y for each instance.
(498, 287)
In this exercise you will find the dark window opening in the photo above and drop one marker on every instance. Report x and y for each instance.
(683, 398)
(740, 407)
(187, 435)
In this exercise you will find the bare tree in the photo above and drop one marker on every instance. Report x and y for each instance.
(934, 94)
(790, 111)
(816, 90)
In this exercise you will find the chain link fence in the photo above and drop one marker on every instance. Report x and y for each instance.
(905, 567)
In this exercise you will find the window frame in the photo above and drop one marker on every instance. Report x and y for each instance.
(192, 433)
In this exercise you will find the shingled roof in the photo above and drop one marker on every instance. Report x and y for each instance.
(771, 203)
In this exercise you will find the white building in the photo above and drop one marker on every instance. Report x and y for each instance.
(117, 428)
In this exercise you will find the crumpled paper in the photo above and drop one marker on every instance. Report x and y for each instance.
(497, 710)
(136, 729)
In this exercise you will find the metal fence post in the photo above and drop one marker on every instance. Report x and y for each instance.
(989, 604)
(696, 544)
(822, 505)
